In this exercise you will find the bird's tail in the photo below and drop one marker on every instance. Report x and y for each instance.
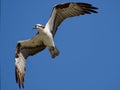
(53, 51)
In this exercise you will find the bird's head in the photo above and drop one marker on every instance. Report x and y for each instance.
(38, 27)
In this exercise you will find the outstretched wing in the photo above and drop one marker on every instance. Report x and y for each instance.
(23, 50)
(66, 10)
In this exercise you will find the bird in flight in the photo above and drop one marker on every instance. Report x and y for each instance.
(45, 35)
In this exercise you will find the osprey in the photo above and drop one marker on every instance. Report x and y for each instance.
(45, 35)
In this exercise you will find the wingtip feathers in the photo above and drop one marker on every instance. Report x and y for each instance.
(19, 77)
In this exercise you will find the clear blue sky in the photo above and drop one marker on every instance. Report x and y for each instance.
(89, 47)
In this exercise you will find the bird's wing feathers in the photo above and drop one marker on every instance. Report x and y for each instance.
(66, 10)
(35, 45)
(23, 50)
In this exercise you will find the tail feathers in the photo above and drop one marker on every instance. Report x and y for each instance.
(53, 51)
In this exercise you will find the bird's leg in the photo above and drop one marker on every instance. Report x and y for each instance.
(53, 51)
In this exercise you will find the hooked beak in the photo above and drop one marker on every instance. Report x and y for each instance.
(34, 27)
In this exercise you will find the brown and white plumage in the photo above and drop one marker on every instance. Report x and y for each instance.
(23, 50)
(45, 36)
(66, 10)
